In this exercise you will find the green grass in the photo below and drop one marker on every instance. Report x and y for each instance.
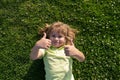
(99, 38)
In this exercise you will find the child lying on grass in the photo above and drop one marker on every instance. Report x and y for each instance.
(57, 49)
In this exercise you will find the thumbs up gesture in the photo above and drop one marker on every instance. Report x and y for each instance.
(70, 50)
(43, 42)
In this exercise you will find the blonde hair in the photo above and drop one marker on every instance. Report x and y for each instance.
(61, 28)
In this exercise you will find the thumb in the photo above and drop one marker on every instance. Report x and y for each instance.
(44, 36)
(71, 42)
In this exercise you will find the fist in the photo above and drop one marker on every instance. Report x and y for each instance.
(44, 42)
(69, 49)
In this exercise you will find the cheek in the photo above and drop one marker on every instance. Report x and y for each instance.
(63, 40)
(51, 38)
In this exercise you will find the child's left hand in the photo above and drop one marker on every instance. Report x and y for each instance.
(70, 50)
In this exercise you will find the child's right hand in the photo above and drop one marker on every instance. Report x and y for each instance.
(43, 42)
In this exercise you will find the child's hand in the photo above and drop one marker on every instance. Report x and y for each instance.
(43, 42)
(70, 50)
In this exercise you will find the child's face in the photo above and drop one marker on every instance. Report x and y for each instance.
(57, 39)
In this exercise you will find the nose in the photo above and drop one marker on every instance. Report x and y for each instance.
(56, 38)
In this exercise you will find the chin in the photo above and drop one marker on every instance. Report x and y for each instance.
(57, 46)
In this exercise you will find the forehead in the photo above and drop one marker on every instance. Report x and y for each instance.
(59, 30)
(56, 33)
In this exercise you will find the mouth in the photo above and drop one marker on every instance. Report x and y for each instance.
(56, 43)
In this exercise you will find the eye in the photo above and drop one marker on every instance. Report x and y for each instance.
(53, 36)
(60, 36)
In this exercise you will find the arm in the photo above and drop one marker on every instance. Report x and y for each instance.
(74, 52)
(43, 43)
(35, 53)
(78, 55)
(71, 50)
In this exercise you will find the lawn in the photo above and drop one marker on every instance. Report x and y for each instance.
(98, 23)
